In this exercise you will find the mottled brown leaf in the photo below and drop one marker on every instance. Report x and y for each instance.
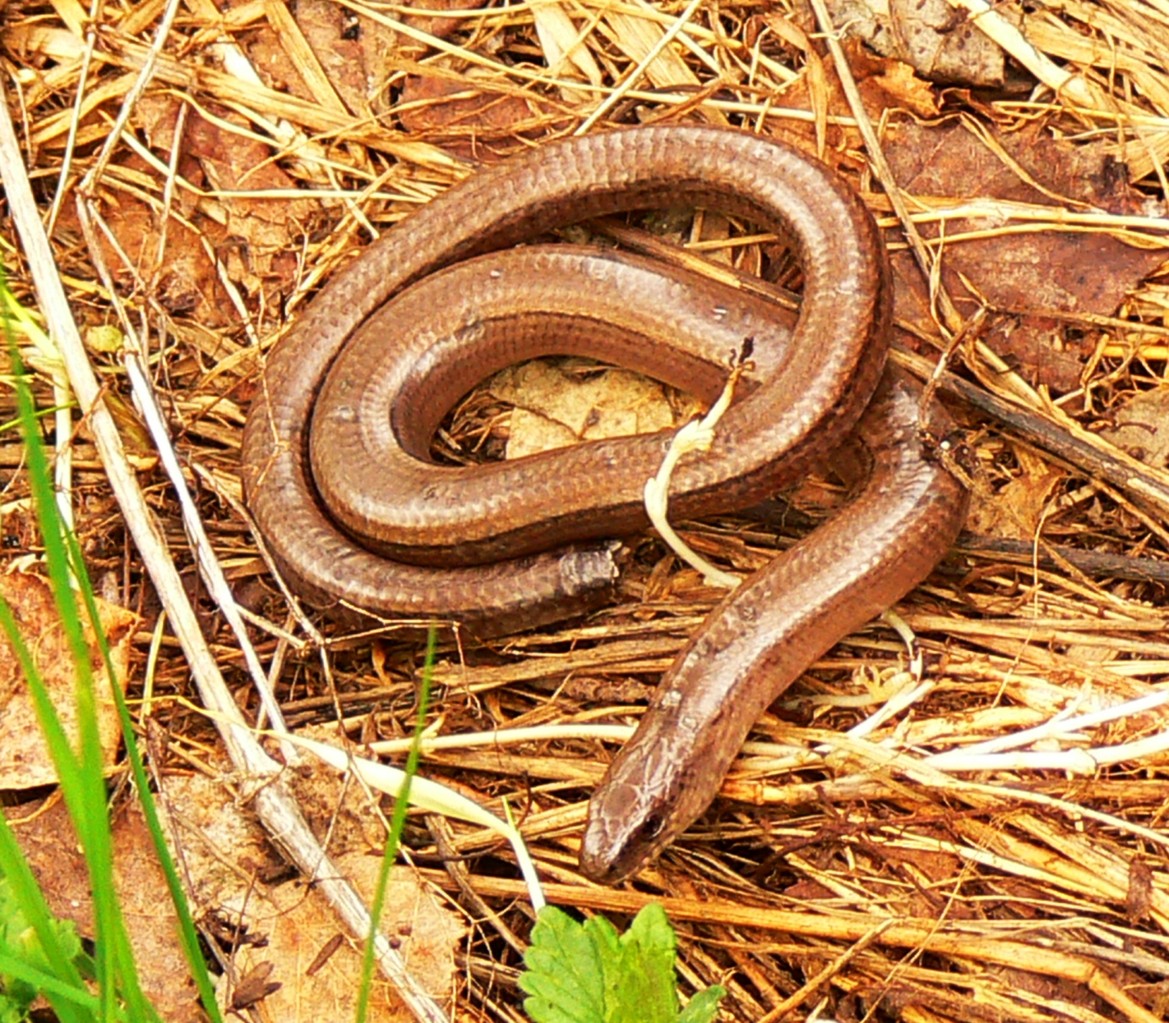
(47, 839)
(1141, 427)
(439, 105)
(1031, 277)
(24, 758)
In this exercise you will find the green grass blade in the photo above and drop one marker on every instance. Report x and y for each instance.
(28, 896)
(80, 773)
(397, 824)
(59, 993)
(67, 566)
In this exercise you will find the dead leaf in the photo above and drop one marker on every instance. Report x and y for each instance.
(255, 240)
(180, 277)
(254, 986)
(48, 841)
(893, 83)
(259, 237)
(435, 24)
(105, 338)
(343, 58)
(298, 925)
(939, 43)
(222, 849)
(312, 959)
(1140, 890)
(433, 103)
(1141, 427)
(351, 53)
(1016, 509)
(563, 402)
(1032, 277)
(24, 758)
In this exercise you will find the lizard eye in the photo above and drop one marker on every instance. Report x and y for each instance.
(650, 828)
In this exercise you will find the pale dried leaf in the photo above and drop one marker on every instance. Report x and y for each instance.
(24, 757)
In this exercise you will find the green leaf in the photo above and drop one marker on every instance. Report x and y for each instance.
(19, 940)
(646, 991)
(11, 1010)
(565, 977)
(703, 1007)
(586, 973)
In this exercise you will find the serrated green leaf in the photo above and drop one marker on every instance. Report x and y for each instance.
(646, 991)
(19, 940)
(603, 934)
(587, 973)
(20, 937)
(11, 1011)
(565, 977)
(703, 1007)
(652, 931)
(606, 943)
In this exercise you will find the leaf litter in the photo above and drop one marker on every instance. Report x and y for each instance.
(977, 855)
(25, 762)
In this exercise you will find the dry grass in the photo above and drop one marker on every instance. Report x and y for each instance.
(991, 846)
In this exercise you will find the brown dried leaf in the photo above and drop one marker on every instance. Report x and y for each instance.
(433, 104)
(324, 52)
(435, 24)
(557, 405)
(1029, 276)
(256, 239)
(222, 848)
(1141, 427)
(48, 841)
(260, 237)
(1016, 509)
(1140, 888)
(181, 276)
(254, 986)
(938, 42)
(298, 927)
(24, 759)
(893, 83)
(291, 931)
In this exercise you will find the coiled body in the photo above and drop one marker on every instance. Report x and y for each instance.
(438, 303)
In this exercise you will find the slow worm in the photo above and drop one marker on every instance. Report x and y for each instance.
(356, 515)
